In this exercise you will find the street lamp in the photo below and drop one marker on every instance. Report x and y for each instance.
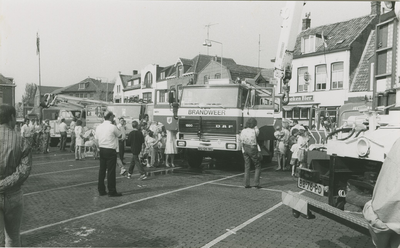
(208, 42)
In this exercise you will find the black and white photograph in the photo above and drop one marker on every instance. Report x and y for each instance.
(127, 123)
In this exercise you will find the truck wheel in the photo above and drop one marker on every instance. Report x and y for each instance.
(194, 159)
(54, 142)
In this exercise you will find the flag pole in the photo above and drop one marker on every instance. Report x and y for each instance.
(38, 53)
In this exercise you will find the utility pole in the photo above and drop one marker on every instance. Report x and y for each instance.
(38, 53)
(259, 49)
(208, 32)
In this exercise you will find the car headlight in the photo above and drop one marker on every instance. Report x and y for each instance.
(230, 146)
(181, 143)
(363, 147)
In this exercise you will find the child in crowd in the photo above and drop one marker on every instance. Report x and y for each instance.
(149, 142)
(79, 140)
(294, 149)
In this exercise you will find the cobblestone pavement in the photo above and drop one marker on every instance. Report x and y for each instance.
(173, 208)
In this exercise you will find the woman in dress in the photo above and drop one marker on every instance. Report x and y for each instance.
(79, 141)
(46, 137)
(170, 148)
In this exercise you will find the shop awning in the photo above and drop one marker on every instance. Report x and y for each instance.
(290, 107)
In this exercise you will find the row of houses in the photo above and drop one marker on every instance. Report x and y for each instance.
(141, 86)
(332, 65)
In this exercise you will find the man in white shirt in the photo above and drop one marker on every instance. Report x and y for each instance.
(63, 133)
(107, 135)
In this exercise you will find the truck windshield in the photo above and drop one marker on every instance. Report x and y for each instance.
(225, 97)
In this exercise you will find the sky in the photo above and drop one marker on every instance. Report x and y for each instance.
(100, 38)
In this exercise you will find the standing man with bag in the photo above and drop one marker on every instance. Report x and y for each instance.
(248, 138)
(15, 167)
(107, 136)
(63, 133)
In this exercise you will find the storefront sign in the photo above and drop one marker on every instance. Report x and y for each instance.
(308, 98)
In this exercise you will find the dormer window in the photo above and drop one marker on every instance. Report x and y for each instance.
(162, 76)
(310, 43)
(82, 86)
(179, 71)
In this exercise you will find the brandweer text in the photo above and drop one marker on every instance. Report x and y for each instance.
(206, 112)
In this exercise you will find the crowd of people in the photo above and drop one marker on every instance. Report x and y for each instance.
(37, 134)
(291, 146)
(290, 149)
(151, 146)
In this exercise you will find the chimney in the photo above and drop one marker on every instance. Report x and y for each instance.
(375, 8)
(134, 72)
(306, 22)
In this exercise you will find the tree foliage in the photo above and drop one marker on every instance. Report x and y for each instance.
(29, 96)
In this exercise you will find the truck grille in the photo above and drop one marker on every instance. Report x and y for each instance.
(208, 126)
(211, 138)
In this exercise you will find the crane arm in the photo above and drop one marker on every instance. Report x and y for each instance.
(291, 15)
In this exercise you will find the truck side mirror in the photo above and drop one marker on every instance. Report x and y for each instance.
(171, 98)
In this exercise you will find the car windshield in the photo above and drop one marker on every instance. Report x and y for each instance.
(221, 97)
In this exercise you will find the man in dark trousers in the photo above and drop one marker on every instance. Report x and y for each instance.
(136, 141)
(15, 167)
(107, 135)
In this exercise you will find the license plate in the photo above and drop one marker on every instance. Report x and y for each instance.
(202, 148)
(315, 188)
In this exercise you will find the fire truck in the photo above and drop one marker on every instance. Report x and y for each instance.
(209, 119)
(346, 173)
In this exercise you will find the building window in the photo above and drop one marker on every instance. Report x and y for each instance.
(308, 44)
(162, 96)
(217, 75)
(82, 86)
(206, 79)
(289, 114)
(85, 95)
(148, 80)
(337, 76)
(91, 95)
(118, 88)
(320, 77)
(147, 97)
(162, 76)
(302, 84)
(385, 34)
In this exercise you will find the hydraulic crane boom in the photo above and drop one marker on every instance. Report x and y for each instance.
(291, 15)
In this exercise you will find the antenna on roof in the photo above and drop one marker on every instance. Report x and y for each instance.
(208, 32)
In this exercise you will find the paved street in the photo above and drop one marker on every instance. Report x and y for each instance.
(174, 208)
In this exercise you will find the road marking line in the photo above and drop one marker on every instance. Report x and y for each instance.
(80, 184)
(234, 230)
(238, 186)
(54, 162)
(54, 172)
(126, 204)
